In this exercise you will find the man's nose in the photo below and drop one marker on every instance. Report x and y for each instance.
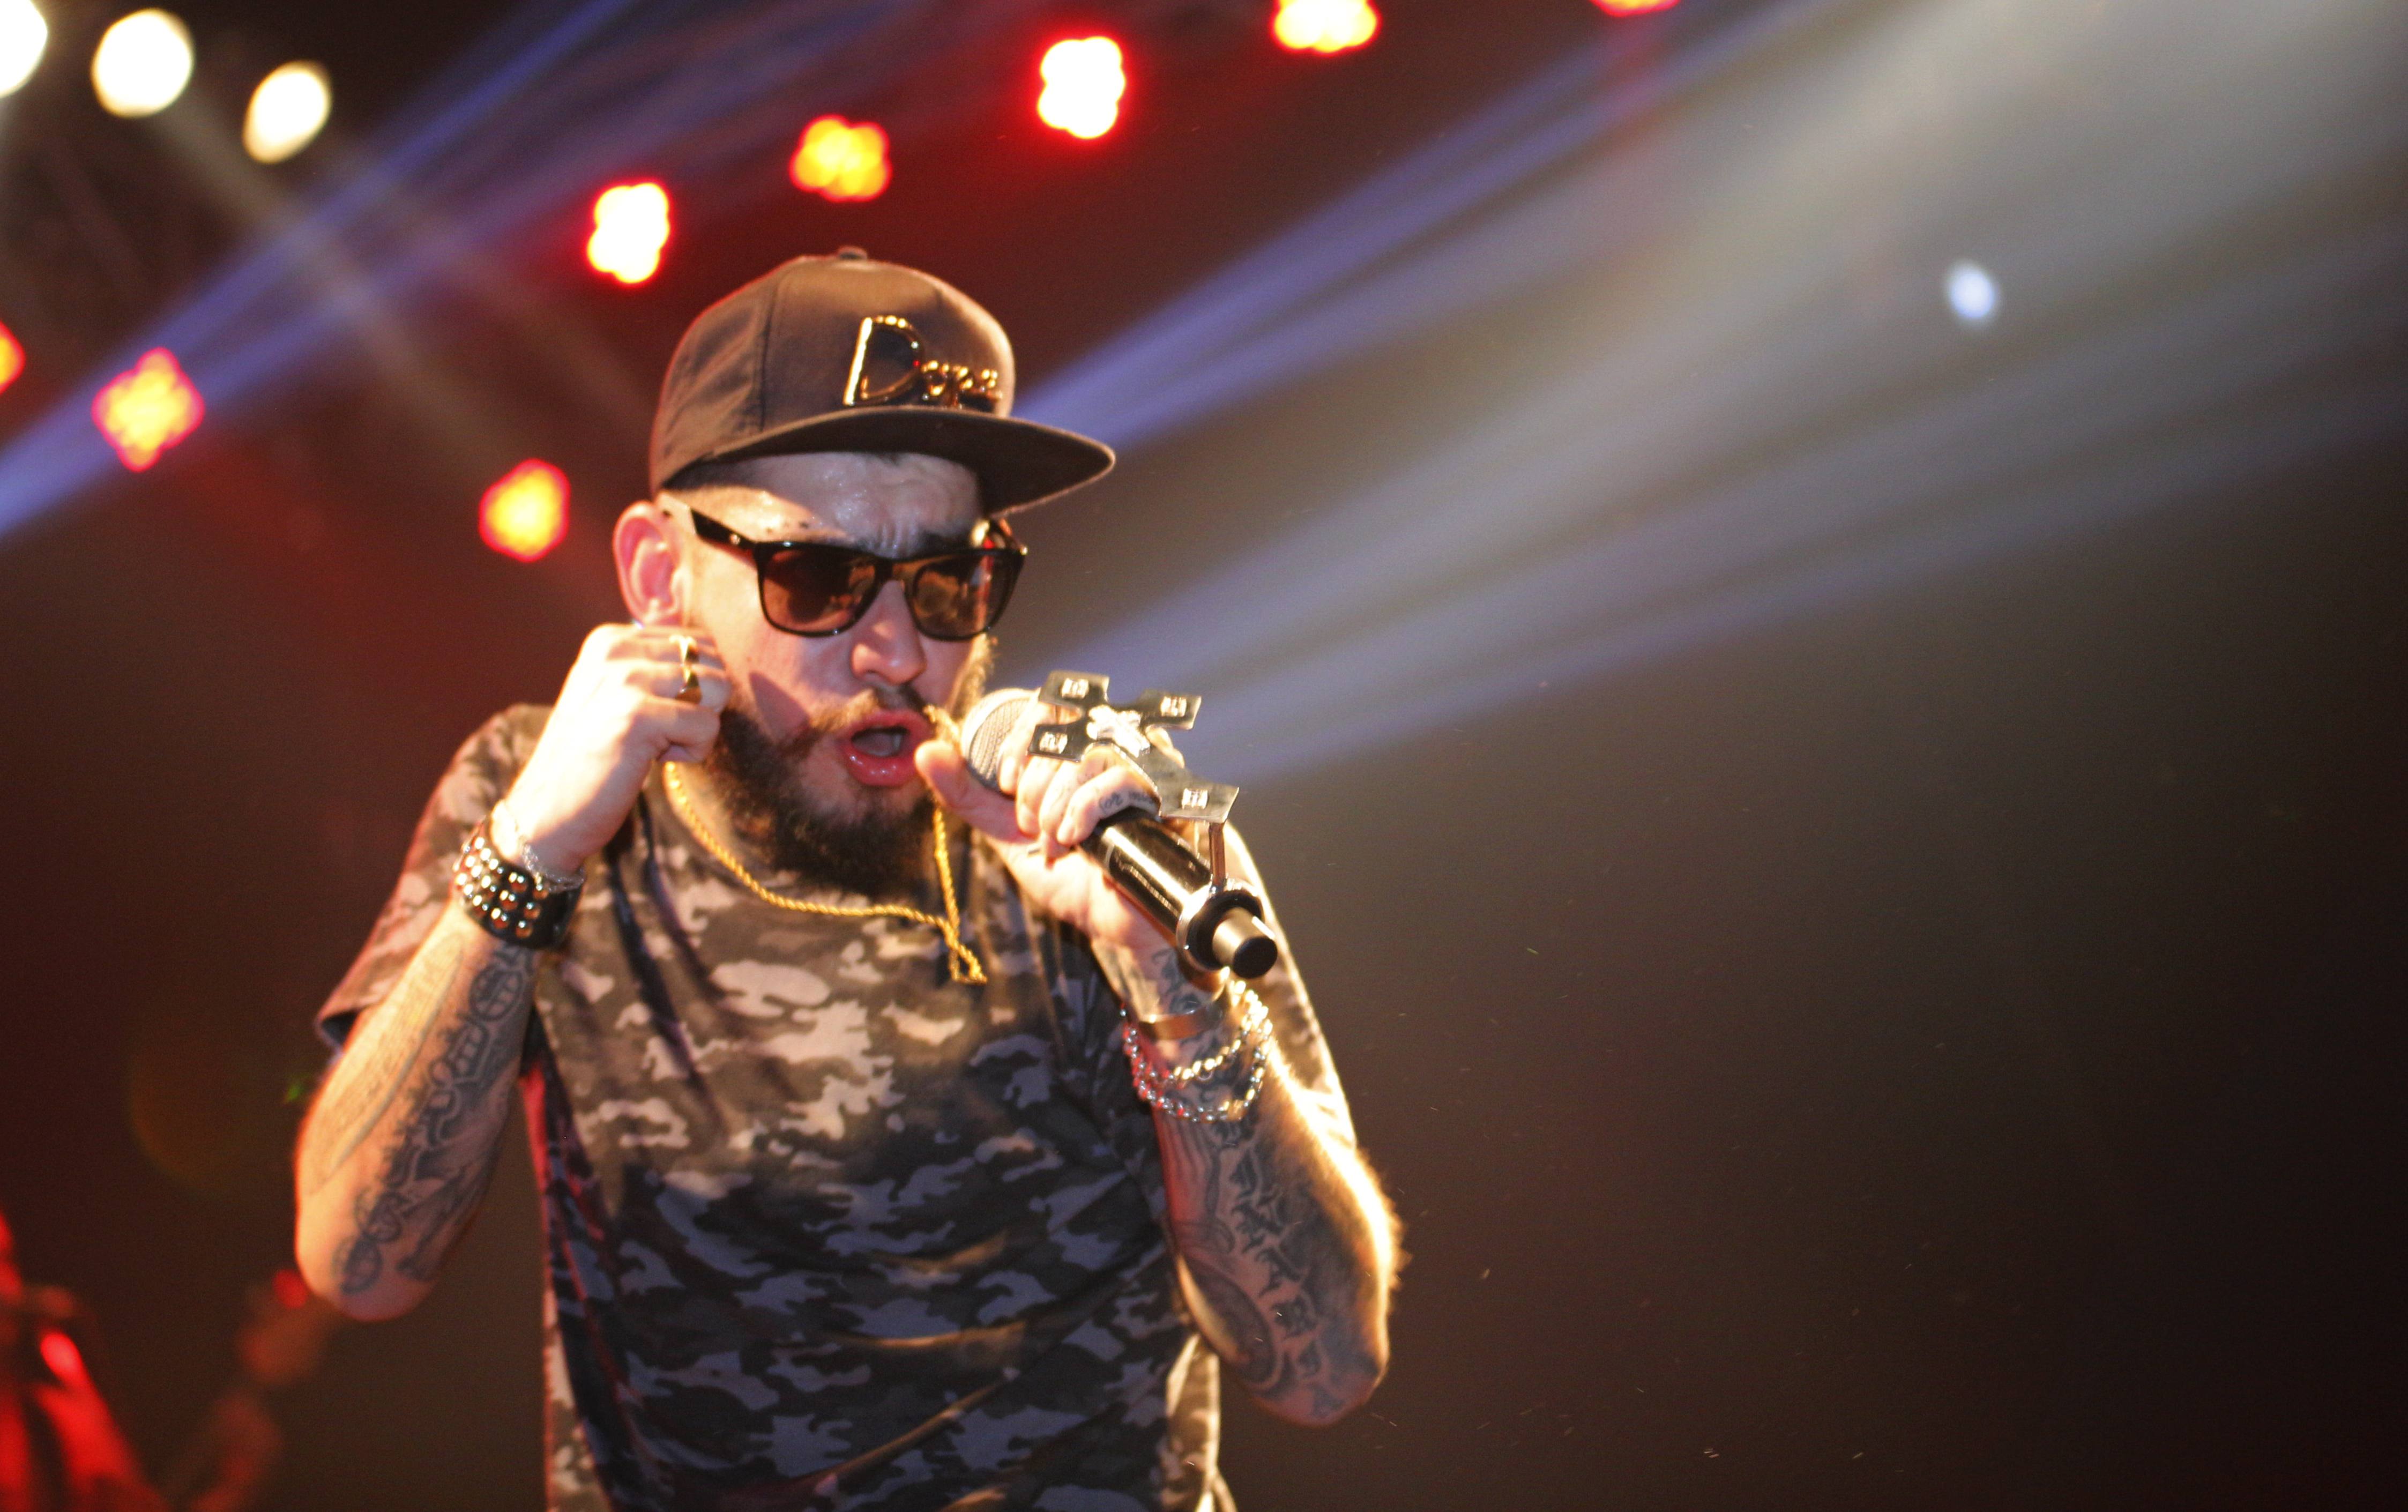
(886, 645)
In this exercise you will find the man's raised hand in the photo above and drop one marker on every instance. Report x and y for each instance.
(1045, 809)
(618, 713)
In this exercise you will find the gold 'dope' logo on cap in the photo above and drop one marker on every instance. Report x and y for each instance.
(889, 345)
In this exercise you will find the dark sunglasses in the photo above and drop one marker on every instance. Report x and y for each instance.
(813, 587)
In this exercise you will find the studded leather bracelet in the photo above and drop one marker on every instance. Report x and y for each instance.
(513, 904)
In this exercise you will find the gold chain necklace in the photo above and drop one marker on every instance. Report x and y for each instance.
(963, 963)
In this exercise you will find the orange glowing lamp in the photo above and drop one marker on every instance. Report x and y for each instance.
(147, 409)
(840, 160)
(1634, 8)
(12, 357)
(631, 226)
(526, 515)
(1324, 25)
(1083, 85)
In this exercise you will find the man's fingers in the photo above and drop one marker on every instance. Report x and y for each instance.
(1107, 781)
(1061, 784)
(684, 725)
(948, 777)
(691, 728)
(653, 643)
(667, 679)
(1098, 799)
(1065, 784)
(1038, 774)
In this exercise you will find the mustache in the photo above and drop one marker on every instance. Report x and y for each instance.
(968, 688)
(799, 741)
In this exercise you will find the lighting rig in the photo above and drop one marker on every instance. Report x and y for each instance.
(143, 64)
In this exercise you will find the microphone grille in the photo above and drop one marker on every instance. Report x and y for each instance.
(989, 725)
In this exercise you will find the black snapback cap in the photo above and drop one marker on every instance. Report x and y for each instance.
(847, 353)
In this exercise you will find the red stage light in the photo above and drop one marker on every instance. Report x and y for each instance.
(1634, 8)
(1324, 25)
(66, 1360)
(147, 409)
(12, 357)
(1084, 84)
(526, 515)
(840, 160)
(290, 1291)
(631, 226)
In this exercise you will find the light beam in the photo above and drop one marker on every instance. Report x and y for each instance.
(1734, 400)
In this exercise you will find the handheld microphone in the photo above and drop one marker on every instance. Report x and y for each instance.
(1216, 925)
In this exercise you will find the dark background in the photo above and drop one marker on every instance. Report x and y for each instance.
(1939, 1050)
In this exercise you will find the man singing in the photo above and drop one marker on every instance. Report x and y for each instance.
(889, 1159)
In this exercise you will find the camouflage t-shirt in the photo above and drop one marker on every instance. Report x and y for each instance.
(825, 1229)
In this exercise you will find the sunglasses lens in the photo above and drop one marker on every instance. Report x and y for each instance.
(813, 589)
(955, 597)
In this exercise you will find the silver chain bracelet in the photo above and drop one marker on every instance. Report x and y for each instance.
(515, 845)
(1160, 1086)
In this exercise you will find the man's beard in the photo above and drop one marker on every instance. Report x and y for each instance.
(877, 853)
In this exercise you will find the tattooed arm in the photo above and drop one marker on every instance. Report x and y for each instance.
(398, 1150)
(1286, 1247)
(396, 1153)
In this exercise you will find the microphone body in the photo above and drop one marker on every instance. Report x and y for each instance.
(1215, 926)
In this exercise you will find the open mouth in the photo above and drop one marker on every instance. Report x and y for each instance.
(878, 748)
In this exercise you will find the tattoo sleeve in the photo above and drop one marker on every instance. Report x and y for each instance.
(1285, 1256)
(1287, 1244)
(398, 1150)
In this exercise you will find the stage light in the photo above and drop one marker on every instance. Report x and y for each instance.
(1634, 8)
(23, 34)
(66, 1360)
(1084, 84)
(1972, 293)
(286, 111)
(290, 1290)
(840, 160)
(143, 62)
(147, 409)
(631, 226)
(1324, 25)
(12, 357)
(526, 515)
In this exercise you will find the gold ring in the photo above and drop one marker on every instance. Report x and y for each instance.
(690, 685)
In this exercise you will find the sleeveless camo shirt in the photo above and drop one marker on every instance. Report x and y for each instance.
(823, 1228)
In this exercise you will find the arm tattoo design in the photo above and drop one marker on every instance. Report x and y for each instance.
(1270, 1254)
(1272, 1236)
(1179, 995)
(341, 1122)
(431, 1181)
(1156, 987)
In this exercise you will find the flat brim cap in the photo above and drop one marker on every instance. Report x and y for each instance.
(847, 353)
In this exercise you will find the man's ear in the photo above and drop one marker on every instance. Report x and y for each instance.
(652, 568)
